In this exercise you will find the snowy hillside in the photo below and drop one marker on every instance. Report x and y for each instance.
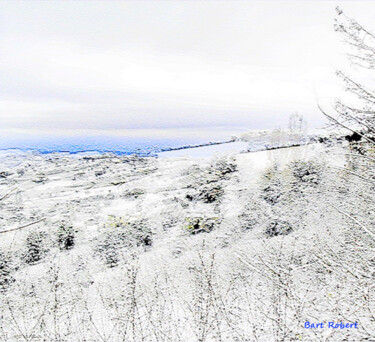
(231, 248)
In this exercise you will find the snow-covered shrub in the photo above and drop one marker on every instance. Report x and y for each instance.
(278, 227)
(121, 234)
(5, 271)
(132, 232)
(223, 167)
(207, 184)
(36, 247)
(272, 185)
(108, 248)
(207, 193)
(196, 225)
(247, 221)
(306, 171)
(211, 194)
(272, 193)
(218, 170)
(66, 237)
(253, 213)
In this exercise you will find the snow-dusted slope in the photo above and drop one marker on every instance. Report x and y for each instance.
(230, 247)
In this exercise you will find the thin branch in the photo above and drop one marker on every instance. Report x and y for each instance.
(25, 226)
(354, 220)
(344, 126)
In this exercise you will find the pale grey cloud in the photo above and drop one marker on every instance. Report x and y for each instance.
(73, 65)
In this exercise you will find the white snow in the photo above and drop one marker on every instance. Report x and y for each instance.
(231, 283)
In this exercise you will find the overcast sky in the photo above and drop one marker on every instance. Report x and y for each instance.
(68, 67)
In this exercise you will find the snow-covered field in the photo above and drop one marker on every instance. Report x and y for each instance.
(211, 247)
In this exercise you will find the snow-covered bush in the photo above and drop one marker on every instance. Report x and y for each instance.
(109, 248)
(207, 184)
(36, 247)
(5, 271)
(66, 237)
(278, 227)
(253, 213)
(219, 170)
(223, 167)
(272, 189)
(306, 171)
(196, 225)
(121, 235)
(272, 193)
(207, 193)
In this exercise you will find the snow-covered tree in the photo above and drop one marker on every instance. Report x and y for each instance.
(357, 112)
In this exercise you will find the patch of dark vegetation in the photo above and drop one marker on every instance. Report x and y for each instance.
(196, 225)
(108, 249)
(322, 140)
(223, 167)
(66, 237)
(272, 193)
(36, 247)
(6, 277)
(278, 227)
(211, 194)
(306, 171)
(207, 184)
(207, 194)
(361, 147)
(121, 235)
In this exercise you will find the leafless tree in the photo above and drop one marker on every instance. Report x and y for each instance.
(357, 112)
